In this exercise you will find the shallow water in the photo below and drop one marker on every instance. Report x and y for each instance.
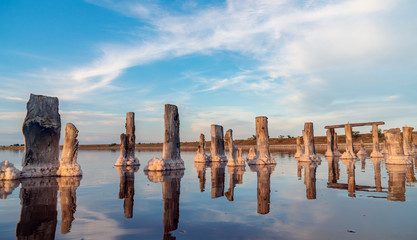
(344, 201)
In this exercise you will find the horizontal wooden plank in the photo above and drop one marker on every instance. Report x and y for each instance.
(355, 124)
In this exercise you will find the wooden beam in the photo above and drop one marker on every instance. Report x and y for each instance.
(355, 125)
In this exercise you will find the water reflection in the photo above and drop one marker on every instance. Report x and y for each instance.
(350, 168)
(309, 177)
(127, 187)
(410, 176)
(201, 173)
(7, 187)
(363, 161)
(396, 181)
(299, 171)
(334, 171)
(217, 179)
(264, 186)
(236, 177)
(67, 196)
(38, 217)
(171, 184)
(377, 170)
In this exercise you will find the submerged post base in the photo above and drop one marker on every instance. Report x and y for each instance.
(121, 161)
(156, 164)
(8, 171)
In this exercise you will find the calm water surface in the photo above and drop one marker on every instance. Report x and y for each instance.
(333, 200)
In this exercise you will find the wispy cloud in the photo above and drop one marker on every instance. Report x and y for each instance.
(285, 37)
(317, 59)
(12, 115)
(14, 99)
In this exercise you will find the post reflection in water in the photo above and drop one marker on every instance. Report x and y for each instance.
(38, 216)
(363, 161)
(334, 171)
(236, 177)
(171, 185)
(350, 168)
(299, 171)
(377, 169)
(201, 173)
(127, 187)
(396, 182)
(309, 177)
(7, 187)
(410, 176)
(67, 195)
(264, 186)
(217, 179)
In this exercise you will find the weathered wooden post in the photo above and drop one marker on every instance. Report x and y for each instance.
(217, 144)
(375, 142)
(235, 156)
(201, 155)
(349, 153)
(171, 153)
(330, 142)
(408, 141)
(299, 147)
(68, 166)
(127, 143)
(309, 148)
(394, 145)
(362, 151)
(263, 155)
(41, 131)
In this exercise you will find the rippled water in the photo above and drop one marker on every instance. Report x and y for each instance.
(334, 200)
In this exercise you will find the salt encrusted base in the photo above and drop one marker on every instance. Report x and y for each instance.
(156, 164)
(361, 152)
(262, 160)
(203, 158)
(298, 154)
(69, 170)
(348, 155)
(238, 162)
(397, 160)
(311, 158)
(8, 171)
(121, 161)
(219, 158)
(329, 154)
(161, 176)
(30, 171)
(251, 154)
(376, 155)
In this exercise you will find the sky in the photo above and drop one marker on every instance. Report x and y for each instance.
(221, 62)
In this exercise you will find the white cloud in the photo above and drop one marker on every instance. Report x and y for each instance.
(12, 115)
(311, 59)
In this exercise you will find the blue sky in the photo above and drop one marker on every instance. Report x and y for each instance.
(220, 62)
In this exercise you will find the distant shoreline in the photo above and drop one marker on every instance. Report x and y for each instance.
(276, 144)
